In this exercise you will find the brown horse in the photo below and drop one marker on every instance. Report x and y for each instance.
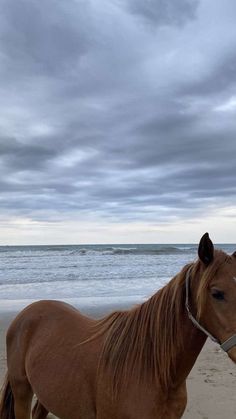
(131, 364)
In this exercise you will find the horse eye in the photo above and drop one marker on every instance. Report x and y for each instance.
(218, 295)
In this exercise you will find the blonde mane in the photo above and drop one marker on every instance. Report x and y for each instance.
(144, 340)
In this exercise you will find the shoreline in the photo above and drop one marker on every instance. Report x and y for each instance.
(211, 384)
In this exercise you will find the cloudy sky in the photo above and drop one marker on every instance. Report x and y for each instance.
(117, 121)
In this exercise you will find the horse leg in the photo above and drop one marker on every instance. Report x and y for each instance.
(22, 394)
(39, 411)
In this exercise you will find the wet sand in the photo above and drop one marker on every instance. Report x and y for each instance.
(211, 383)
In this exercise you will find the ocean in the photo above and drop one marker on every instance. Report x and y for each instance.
(89, 275)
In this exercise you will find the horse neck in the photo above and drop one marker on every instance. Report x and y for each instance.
(193, 339)
(155, 341)
(180, 337)
(192, 344)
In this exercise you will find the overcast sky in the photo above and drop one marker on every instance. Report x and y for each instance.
(117, 121)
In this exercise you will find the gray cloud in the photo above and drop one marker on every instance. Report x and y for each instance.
(101, 115)
(220, 80)
(43, 37)
(165, 12)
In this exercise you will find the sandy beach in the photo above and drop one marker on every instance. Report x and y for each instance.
(211, 384)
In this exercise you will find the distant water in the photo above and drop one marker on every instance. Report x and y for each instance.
(91, 275)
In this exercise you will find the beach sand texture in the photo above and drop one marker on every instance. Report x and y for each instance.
(211, 384)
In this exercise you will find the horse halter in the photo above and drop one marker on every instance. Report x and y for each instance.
(229, 343)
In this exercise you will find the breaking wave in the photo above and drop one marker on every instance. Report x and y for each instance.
(142, 250)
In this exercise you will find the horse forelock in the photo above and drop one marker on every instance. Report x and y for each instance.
(143, 342)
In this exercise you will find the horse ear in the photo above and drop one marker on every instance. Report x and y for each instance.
(234, 254)
(206, 249)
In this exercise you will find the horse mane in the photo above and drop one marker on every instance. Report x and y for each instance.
(145, 340)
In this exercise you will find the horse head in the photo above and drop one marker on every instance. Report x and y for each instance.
(212, 280)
